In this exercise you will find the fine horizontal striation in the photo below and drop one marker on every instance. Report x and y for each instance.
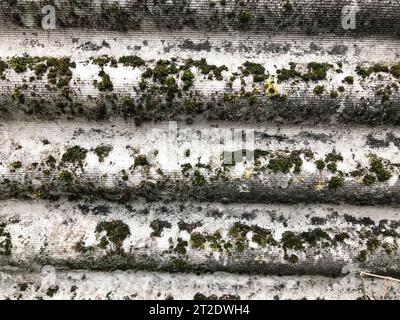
(132, 285)
(120, 163)
(199, 150)
(200, 237)
(342, 85)
(296, 17)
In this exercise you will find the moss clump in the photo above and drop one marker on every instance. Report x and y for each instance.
(198, 179)
(290, 240)
(181, 246)
(16, 165)
(320, 164)
(60, 72)
(22, 286)
(385, 93)
(40, 69)
(51, 161)
(261, 236)
(341, 89)
(314, 236)
(140, 160)
(336, 183)
(349, 80)
(318, 90)
(395, 70)
(365, 72)
(102, 151)
(369, 179)
(3, 67)
(66, 176)
(362, 257)
(187, 78)
(341, 237)
(288, 6)
(197, 240)
(284, 163)
(333, 157)
(75, 155)
(132, 61)
(244, 16)
(104, 60)
(332, 167)
(316, 71)
(116, 231)
(334, 94)
(5, 241)
(59, 68)
(158, 226)
(185, 168)
(286, 74)
(161, 71)
(105, 84)
(180, 265)
(293, 241)
(255, 69)
(18, 95)
(52, 291)
(377, 166)
(373, 244)
(258, 153)
(20, 64)
(215, 242)
(206, 69)
(200, 296)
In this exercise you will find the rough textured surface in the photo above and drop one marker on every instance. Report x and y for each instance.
(119, 175)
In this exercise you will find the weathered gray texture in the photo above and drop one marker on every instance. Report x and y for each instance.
(87, 184)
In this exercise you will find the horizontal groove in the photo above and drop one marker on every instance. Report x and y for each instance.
(120, 162)
(19, 284)
(322, 91)
(305, 16)
(200, 237)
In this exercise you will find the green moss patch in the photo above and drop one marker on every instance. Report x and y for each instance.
(131, 61)
(377, 167)
(238, 232)
(214, 241)
(365, 72)
(255, 69)
(102, 151)
(75, 155)
(140, 160)
(285, 163)
(158, 226)
(5, 241)
(105, 83)
(336, 183)
(116, 231)
(316, 71)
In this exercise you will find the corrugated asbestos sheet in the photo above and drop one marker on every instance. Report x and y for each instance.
(199, 149)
